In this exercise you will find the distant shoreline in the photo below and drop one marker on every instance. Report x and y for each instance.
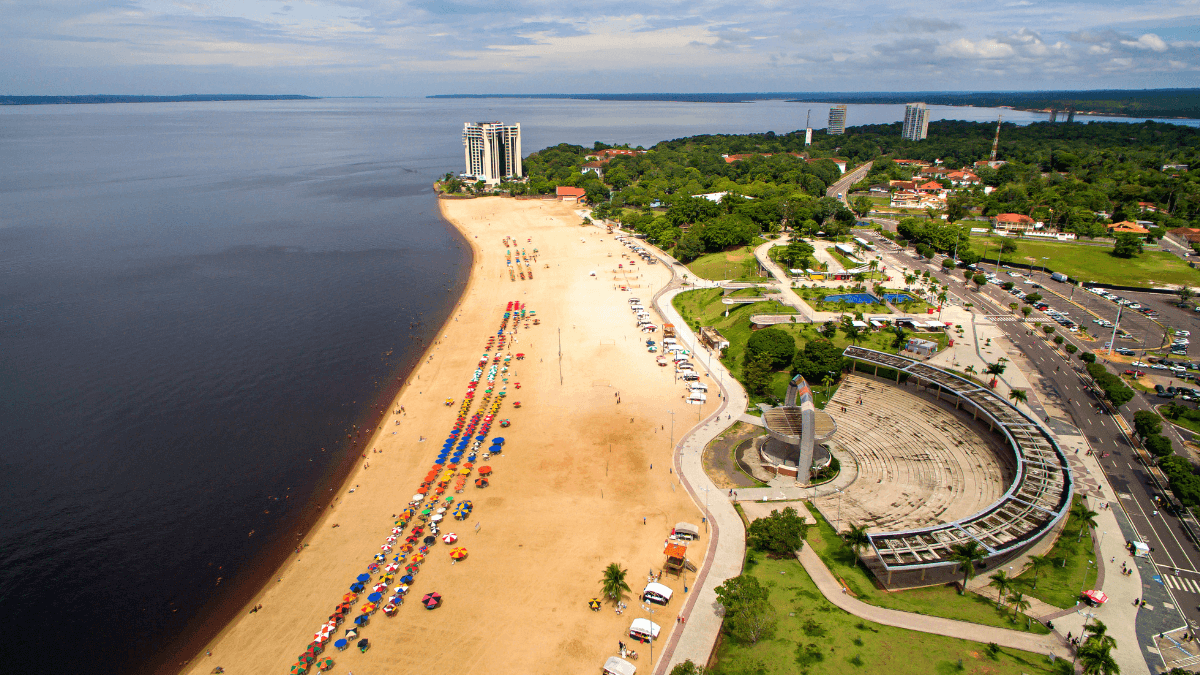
(93, 99)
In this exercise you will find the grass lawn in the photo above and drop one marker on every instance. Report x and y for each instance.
(943, 601)
(843, 643)
(703, 307)
(1095, 263)
(1060, 586)
(735, 263)
(747, 293)
(850, 263)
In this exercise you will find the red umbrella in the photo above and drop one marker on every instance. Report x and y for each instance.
(485, 470)
(432, 600)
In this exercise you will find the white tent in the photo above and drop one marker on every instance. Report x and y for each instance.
(657, 589)
(645, 627)
(616, 665)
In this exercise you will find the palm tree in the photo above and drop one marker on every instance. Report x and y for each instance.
(828, 382)
(1098, 635)
(941, 298)
(971, 370)
(1018, 395)
(1020, 604)
(1001, 582)
(1085, 516)
(966, 555)
(1097, 660)
(1037, 563)
(995, 370)
(1184, 294)
(613, 583)
(857, 538)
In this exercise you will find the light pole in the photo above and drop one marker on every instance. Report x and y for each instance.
(839, 517)
(651, 613)
(1112, 342)
(672, 413)
(705, 488)
(1086, 617)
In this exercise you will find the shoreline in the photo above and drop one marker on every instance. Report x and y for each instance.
(550, 464)
(218, 621)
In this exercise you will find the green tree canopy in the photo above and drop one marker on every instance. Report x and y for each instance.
(780, 533)
(775, 343)
(819, 359)
(1127, 245)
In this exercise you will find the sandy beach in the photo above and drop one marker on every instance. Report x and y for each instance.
(584, 480)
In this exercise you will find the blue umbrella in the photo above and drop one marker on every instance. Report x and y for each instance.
(481, 437)
(374, 597)
(497, 441)
(364, 578)
(357, 588)
(471, 457)
(406, 579)
(361, 619)
(341, 644)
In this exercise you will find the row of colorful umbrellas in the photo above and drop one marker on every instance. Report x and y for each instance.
(448, 466)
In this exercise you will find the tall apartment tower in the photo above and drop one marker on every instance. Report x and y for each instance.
(837, 120)
(916, 122)
(492, 150)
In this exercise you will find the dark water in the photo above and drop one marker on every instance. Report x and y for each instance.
(197, 302)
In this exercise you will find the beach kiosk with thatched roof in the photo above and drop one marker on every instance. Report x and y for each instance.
(676, 557)
(616, 665)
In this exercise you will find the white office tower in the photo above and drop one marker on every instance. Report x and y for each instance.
(492, 150)
(837, 120)
(916, 122)
(808, 136)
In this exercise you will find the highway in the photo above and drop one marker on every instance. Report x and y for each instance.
(1174, 554)
(842, 187)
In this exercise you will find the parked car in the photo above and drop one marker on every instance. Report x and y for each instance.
(1139, 364)
(1135, 373)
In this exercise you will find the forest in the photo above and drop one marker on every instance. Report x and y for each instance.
(1076, 177)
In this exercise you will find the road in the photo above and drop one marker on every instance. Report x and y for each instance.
(1177, 558)
(842, 187)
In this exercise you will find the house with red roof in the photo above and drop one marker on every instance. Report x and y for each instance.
(1147, 206)
(962, 178)
(1010, 222)
(1127, 227)
(594, 167)
(570, 194)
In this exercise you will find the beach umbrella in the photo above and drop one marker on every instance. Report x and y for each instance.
(372, 568)
(298, 669)
(412, 569)
(406, 548)
(393, 567)
(458, 553)
(406, 579)
(325, 664)
(481, 482)
(485, 471)
(432, 600)
(350, 597)
(374, 597)
(387, 548)
(363, 644)
(341, 644)
(361, 619)
(364, 578)
(437, 518)
(422, 490)
(417, 498)
(307, 659)
(379, 557)
(401, 590)
(450, 538)
(357, 588)
(594, 604)
(367, 608)
(498, 440)
(380, 587)
(430, 540)
(418, 558)
(351, 633)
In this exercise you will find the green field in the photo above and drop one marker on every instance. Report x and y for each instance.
(842, 643)
(735, 263)
(1093, 263)
(1061, 585)
(943, 601)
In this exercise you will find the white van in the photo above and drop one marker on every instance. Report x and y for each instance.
(656, 593)
(644, 630)
(696, 398)
(688, 376)
(697, 386)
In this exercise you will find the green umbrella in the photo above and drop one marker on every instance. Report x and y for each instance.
(307, 659)
(299, 669)
(325, 664)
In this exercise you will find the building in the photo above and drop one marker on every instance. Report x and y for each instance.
(712, 338)
(594, 167)
(921, 347)
(570, 194)
(1147, 206)
(916, 122)
(837, 120)
(1181, 168)
(1126, 227)
(962, 178)
(492, 150)
(910, 162)
(1010, 222)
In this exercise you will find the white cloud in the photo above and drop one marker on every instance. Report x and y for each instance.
(1148, 41)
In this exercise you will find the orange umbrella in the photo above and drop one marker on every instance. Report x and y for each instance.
(458, 553)
(422, 490)
(485, 470)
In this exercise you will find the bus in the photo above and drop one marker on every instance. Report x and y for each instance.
(864, 243)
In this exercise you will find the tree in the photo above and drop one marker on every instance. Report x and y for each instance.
(748, 614)
(757, 373)
(781, 533)
(797, 253)
(979, 280)
(1127, 245)
(1185, 294)
(1001, 582)
(613, 584)
(1095, 657)
(818, 359)
(966, 555)
(1071, 349)
(861, 206)
(689, 247)
(777, 344)
(1159, 445)
(1036, 564)
(857, 538)
(1008, 246)
(829, 330)
(1146, 424)
(995, 370)
(1085, 516)
(1012, 307)
(689, 668)
(1087, 357)
(1018, 395)
(1033, 298)
(1026, 311)
(1097, 634)
(1020, 605)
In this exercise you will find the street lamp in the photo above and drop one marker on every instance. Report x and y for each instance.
(651, 613)
(1086, 617)
(672, 413)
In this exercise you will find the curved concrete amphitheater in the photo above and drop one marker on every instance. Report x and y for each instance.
(941, 461)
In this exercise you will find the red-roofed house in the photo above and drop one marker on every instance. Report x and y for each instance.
(619, 152)
(1008, 222)
(595, 167)
(1147, 206)
(934, 171)
(570, 194)
(930, 188)
(903, 184)
(962, 178)
(1127, 227)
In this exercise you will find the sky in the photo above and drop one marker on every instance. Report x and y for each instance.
(422, 47)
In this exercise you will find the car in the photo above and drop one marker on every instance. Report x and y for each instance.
(1134, 305)
(1074, 329)
(1134, 373)
(1139, 364)
(1158, 366)
(1184, 333)
(1126, 352)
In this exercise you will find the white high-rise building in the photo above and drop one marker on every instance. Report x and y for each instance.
(916, 122)
(837, 120)
(492, 150)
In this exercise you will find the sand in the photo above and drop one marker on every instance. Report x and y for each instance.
(579, 474)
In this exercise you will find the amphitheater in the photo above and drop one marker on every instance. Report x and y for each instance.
(939, 461)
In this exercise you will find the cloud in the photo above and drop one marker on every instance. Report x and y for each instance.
(1148, 41)
(922, 25)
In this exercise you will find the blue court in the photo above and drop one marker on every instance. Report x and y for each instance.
(896, 297)
(854, 298)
